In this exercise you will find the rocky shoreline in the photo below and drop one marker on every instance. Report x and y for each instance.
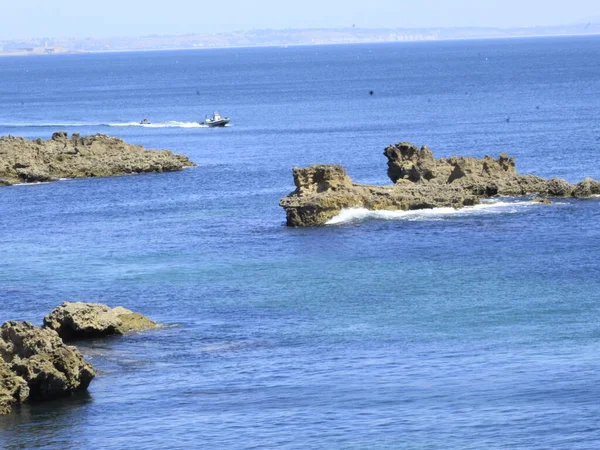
(37, 365)
(33, 161)
(420, 181)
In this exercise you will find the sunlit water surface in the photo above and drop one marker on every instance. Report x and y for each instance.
(439, 329)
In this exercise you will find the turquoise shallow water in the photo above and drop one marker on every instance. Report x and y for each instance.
(470, 329)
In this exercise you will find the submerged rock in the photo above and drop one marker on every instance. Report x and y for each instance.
(35, 364)
(132, 321)
(420, 181)
(91, 320)
(31, 161)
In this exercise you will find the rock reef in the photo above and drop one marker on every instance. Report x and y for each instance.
(30, 161)
(420, 181)
(92, 320)
(35, 363)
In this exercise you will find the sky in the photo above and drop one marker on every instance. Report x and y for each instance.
(106, 18)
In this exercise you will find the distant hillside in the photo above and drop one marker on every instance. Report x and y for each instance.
(268, 37)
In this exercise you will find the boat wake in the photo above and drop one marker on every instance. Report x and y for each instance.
(164, 124)
(360, 214)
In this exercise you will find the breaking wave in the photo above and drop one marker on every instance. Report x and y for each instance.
(31, 184)
(360, 214)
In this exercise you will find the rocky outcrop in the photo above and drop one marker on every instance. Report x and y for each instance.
(91, 320)
(408, 162)
(484, 177)
(13, 388)
(322, 191)
(35, 364)
(30, 161)
(133, 321)
(586, 188)
(420, 181)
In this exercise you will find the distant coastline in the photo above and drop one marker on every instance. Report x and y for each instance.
(280, 38)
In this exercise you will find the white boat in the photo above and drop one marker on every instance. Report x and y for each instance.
(216, 120)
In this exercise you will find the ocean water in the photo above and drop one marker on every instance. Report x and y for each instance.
(436, 329)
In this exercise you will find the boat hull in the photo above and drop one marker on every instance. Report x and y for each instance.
(217, 123)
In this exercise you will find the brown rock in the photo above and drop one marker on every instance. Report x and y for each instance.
(83, 320)
(521, 185)
(322, 191)
(421, 181)
(13, 388)
(586, 188)
(25, 161)
(406, 161)
(557, 187)
(37, 365)
(132, 321)
(90, 320)
(543, 201)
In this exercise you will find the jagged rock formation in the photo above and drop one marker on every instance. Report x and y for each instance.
(484, 177)
(30, 161)
(90, 320)
(420, 181)
(406, 161)
(322, 191)
(35, 364)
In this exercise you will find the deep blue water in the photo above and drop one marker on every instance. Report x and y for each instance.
(471, 329)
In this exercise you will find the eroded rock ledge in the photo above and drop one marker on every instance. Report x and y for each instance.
(77, 320)
(420, 181)
(30, 161)
(35, 364)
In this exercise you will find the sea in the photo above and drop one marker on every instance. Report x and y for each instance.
(476, 328)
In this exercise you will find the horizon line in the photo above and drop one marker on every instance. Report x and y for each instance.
(345, 28)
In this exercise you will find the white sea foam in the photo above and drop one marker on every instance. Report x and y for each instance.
(51, 125)
(31, 184)
(359, 214)
(165, 124)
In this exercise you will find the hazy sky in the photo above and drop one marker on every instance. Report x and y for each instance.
(80, 18)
